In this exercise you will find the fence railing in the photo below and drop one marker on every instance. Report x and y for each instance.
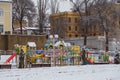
(6, 52)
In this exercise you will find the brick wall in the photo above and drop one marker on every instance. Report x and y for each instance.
(7, 41)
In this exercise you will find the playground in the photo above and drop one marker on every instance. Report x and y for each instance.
(59, 54)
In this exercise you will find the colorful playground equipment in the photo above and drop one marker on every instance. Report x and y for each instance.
(48, 44)
(58, 54)
(39, 54)
(76, 49)
(10, 58)
(96, 58)
(62, 53)
(34, 58)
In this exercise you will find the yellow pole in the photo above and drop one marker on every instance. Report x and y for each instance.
(61, 57)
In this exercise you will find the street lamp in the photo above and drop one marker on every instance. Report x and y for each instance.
(53, 59)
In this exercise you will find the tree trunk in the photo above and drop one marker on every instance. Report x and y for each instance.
(20, 27)
(106, 43)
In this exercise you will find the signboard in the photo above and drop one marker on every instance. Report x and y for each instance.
(76, 48)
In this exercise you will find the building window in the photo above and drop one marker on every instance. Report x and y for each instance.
(82, 35)
(94, 34)
(83, 30)
(69, 28)
(69, 19)
(70, 35)
(1, 12)
(76, 35)
(1, 28)
(75, 28)
(75, 20)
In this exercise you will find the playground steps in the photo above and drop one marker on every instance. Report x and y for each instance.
(5, 66)
(40, 65)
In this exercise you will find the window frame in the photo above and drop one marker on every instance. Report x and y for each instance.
(69, 19)
(1, 12)
(70, 28)
(1, 28)
(76, 28)
(76, 20)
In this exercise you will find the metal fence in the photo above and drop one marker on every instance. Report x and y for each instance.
(6, 52)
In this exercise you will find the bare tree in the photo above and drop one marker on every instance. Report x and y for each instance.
(116, 21)
(59, 25)
(30, 19)
(21, 10)
(54, 6)
(83, 7)
(42, 12)
(104, 11)
(96, 11)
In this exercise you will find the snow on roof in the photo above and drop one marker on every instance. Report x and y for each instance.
(28, 28)
(31, 44)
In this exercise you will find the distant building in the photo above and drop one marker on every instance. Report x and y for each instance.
(27, 30)
(5, 16)
(69, 22)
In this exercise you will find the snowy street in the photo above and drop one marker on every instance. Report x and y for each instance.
(82, 72)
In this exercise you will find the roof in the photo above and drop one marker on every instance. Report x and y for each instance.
(28, 28)
(31, 44)
(62, 43)
(7, 1)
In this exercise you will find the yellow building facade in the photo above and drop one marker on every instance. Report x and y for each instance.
(5, 16)
(70, 22)
(67, 21)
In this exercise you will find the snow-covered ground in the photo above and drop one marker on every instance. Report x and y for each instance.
(81, 72)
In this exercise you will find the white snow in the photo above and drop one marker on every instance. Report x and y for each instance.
(81, 72)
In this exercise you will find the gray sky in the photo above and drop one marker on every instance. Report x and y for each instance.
(64, 5)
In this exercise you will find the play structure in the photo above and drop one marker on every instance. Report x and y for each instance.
(60, 53)
(10, 58)
(98, 58)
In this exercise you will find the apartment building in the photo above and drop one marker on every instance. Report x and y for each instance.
(69, 22)
(66, 22)
(5, 16)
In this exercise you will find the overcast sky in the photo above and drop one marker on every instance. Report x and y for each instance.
(64, 5)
